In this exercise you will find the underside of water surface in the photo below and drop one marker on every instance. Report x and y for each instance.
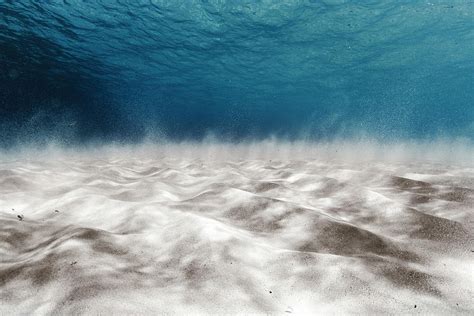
(80, 72)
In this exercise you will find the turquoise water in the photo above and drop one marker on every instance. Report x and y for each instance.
(82, 71)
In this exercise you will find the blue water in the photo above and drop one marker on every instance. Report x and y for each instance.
(101, 71)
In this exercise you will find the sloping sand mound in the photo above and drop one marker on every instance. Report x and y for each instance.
(133, 235)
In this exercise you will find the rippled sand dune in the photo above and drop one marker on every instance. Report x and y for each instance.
(150, 234)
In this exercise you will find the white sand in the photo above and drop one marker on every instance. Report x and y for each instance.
(228, 229)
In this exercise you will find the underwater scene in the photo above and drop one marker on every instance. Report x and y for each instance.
(213, 157)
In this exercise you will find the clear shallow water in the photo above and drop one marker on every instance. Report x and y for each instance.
(262, 226)
(81, 71)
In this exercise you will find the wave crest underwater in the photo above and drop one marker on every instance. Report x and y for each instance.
(123, 71)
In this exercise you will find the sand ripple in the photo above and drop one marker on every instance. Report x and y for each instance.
(266, 236)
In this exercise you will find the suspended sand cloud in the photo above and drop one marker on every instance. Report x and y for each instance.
(458, 151)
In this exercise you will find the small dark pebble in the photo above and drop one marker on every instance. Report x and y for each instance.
(270, 292)
(20, 217)
(56, 211)
(415, 306)
(73, 263)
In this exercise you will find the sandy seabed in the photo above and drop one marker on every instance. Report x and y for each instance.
(179, 231)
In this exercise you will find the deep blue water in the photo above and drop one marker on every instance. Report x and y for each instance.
(80, 71)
